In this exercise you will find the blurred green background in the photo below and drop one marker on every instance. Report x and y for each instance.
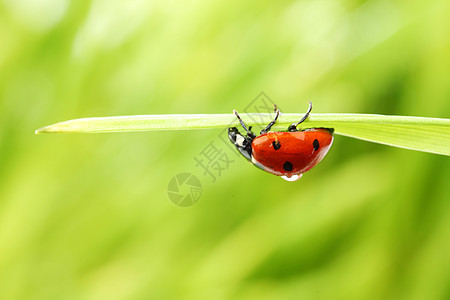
(88, 217)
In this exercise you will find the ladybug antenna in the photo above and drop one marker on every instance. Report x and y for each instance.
(293, 127)
(242, 123)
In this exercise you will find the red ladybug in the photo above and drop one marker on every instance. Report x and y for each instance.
(289, 153)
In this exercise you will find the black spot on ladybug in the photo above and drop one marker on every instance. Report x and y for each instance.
(276, 145)
(316, 145)
(287, 166)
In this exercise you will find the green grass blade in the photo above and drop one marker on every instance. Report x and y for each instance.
(416, 133)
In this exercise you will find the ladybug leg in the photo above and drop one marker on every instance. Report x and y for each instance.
(293, 126)
(277, 113)
(249, 133)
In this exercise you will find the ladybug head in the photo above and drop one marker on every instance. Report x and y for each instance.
(241, 142)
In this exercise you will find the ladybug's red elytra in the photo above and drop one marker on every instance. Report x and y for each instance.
(289, 153)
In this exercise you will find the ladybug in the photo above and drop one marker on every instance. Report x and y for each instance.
(289, 153)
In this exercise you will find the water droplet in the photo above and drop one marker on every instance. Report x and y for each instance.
(292, 177)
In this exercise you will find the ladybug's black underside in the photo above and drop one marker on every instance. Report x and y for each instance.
(242, 143)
